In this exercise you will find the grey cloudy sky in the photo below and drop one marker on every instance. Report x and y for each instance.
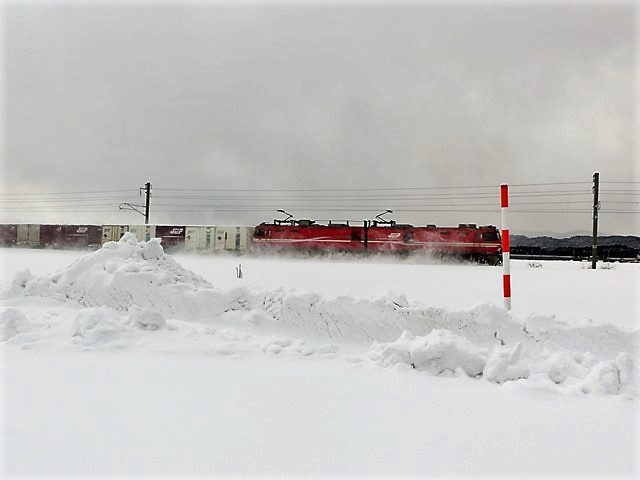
(203, 98)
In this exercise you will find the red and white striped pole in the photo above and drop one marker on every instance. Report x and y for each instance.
(506, 254)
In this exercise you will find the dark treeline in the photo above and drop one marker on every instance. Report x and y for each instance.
(577, 247)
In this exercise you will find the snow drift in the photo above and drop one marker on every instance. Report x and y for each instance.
(130, 293)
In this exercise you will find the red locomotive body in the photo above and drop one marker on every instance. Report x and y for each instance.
(306, 235)
(465, 240)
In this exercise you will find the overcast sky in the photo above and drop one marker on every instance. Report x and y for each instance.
(262, 99)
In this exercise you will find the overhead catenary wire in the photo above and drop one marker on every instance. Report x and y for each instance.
(551, 197)
(190, 209)
(386, 198)
(93, 192)
(352, 189)
(336, 189)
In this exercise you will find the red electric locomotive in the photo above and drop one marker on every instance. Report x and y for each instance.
(465, 240)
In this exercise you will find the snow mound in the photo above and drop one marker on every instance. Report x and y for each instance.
(146, 319)
(130, 290)
(18, 284)
(121, 275)
(100, 326)
(505, 364)
(441, 351)
(12, 321)
(603, 378)
(95, 326)
(585, 373)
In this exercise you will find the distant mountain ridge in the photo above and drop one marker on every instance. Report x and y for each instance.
(577, 247)
(576, 241)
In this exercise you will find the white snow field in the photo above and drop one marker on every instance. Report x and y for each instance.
(128, 362)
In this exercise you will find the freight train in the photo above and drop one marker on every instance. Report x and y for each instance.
(481, 243)
(94, 236)
(56, 236)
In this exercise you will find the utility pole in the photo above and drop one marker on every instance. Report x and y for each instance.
(147, 187)
(136, 208)
(596, 207)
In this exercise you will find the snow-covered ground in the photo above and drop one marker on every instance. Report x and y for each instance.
(128, 361)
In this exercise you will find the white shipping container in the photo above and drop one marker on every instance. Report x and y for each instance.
(28, 234)
(232, 237)
(143, 233)
(113, 233)
(245, 234)
(199, 238)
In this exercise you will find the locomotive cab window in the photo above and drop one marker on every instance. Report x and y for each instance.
(490, 236)
(260, 232)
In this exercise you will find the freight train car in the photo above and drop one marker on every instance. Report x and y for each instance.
(50, 236)
(28, 235)
(70, 236)
(171, 236)
(199, 238)
(191, 237)
(113, 233)
(218, 238)
(8, 235)
(82, 236)
(378, 236)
